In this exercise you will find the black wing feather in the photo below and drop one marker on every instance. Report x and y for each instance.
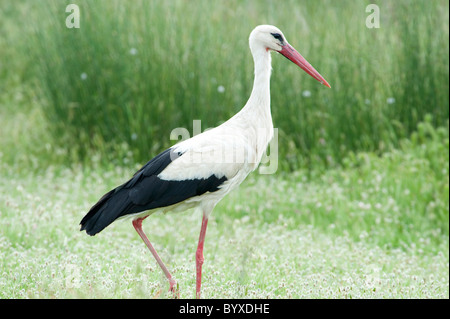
(144, 191)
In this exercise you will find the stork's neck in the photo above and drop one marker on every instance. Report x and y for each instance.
(254, 121)
(257, 109)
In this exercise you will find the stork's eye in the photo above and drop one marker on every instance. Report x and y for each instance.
(277, 36)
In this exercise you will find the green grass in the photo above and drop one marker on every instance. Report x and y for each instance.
(377, 228)
(151, 66)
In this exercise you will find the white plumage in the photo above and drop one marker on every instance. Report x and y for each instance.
(235, 148)
(200, 171)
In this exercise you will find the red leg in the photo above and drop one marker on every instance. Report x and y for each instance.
(138, 226)
(199, 254)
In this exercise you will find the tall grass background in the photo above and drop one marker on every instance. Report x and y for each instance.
(135, 70)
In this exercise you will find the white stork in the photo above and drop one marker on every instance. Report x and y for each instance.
(200, 171)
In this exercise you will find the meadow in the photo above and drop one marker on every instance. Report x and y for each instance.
(359, 206)
(377, 228)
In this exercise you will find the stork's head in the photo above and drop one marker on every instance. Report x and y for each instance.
(270, 38)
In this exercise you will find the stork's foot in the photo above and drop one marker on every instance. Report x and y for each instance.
(174, 289)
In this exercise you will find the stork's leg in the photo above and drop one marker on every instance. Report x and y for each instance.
(137, 223)
(199, 254)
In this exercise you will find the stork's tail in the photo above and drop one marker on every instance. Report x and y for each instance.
(111, 206)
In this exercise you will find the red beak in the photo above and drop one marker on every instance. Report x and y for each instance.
(289, 52)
